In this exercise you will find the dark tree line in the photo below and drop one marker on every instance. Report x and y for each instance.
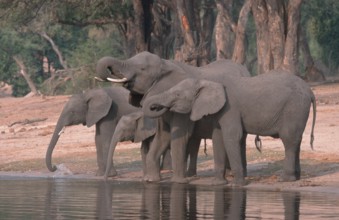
(261, 34)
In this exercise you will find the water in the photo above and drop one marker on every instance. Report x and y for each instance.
(89, 199)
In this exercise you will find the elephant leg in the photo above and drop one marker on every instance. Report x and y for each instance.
(159, 144)
(181, 128)
(220, 158)
(100, 161)
(228, 170)
(166, 160)
(243, 153)
(292, 159)
(192, 153)
(152, 170)
(232, 136)
(144, 150)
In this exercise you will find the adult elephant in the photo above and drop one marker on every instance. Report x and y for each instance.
(146, 74)
(274, 104)
(100, 107)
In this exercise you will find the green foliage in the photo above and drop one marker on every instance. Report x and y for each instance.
(85, 30)
(26, 45)
(67, 23)
(322, 18)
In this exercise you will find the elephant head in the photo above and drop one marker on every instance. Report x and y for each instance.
(138, 74)
(197, 97)
(126, 71)
(86, 109)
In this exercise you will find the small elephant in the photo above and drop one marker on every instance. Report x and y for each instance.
(274, 104)
(102, 107)
(137, 128)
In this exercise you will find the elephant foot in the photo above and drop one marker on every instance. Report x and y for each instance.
(181, 180)
(191, 178)
(229, 172)
(288, 178)
(191, 173)
(112, 173)
(218, 182)
(238, 182)
(151, 179)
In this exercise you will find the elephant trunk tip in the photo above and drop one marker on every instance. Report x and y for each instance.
(105, 177)
(52, 168)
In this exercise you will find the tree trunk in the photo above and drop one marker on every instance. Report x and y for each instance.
(290, 60)
(128, 31)
(188, 48)
(276, 25)
(23, 72)
(143, 24)
(239, 46)
(223, 29)
(162, 36)
(260, 15)
(206, 32)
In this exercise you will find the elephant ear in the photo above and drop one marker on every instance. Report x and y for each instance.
(209, 100)
(145, 128)
(99, 103)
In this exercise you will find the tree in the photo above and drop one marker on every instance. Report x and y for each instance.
(69, 36)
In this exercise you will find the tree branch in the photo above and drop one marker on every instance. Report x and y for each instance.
(23, 72)
(55, 48)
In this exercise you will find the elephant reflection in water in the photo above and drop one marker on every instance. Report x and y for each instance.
(162, 201)
(177, 201)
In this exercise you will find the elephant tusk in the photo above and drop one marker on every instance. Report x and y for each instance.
(99, 79)
(117, 80)
(62, 130)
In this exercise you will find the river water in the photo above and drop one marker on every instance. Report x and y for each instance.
(29, 198)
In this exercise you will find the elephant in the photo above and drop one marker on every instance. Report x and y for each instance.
(146, 74)
(102, 107)
(135, 127)
(274, 104)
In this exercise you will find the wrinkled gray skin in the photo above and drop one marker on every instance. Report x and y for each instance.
(100, 107)
(274, 104)
(146, 74)
(135, 127)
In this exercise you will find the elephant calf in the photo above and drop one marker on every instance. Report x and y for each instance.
(135, 127)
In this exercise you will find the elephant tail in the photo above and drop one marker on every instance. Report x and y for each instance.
(258, 143)
(313, 122)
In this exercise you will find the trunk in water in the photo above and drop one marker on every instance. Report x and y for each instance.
(51, 146)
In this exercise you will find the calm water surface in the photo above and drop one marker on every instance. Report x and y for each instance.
(88, 199)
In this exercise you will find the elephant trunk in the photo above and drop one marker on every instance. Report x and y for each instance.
(58, 129)
(108, 67)
(114, 142)
(152, 107)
